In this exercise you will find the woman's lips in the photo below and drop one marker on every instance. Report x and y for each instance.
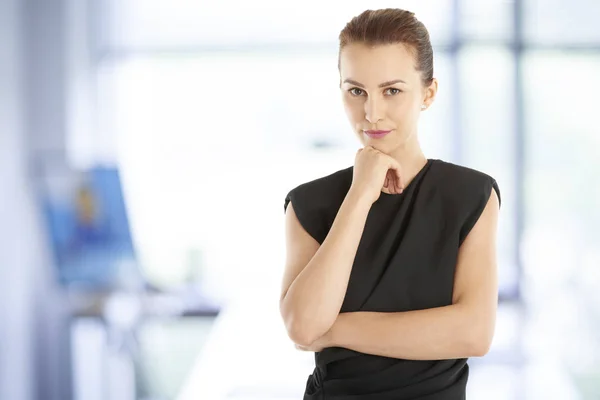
(376, 134)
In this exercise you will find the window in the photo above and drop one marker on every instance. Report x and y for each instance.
(564, 162)
(561, 22)
(489, 20)
(197, 112)
(176, 25)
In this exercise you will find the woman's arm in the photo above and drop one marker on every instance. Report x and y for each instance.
(463, 329)
(316, 277)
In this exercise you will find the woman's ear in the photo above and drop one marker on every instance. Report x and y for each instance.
(430, 93)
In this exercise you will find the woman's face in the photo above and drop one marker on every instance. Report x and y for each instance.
(382, 91)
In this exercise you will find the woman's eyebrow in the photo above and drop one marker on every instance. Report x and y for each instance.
(388, 83)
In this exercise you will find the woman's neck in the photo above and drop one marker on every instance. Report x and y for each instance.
(412, 160)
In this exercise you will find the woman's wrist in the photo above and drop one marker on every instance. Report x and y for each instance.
(359, 199)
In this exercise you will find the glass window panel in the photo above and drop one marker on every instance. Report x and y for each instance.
(487, 116)
(486, 20)
(563, 160)
(556, 22)
(561, 244)
(162, 24)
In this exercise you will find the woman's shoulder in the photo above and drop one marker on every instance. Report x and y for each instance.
(337, 177)
(450, 170)
(461, 182)
(329, 183)
(324, 190)
(317, 201)
(466, 191)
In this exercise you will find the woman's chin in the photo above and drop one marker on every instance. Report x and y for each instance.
(379, 144)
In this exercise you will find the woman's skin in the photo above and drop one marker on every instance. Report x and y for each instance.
(316, 277)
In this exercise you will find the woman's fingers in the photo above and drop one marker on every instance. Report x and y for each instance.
(394, 188)
(398, 179)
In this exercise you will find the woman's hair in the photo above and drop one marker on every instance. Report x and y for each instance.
(392, 26)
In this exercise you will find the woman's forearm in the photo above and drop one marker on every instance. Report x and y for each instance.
(313, 301)
(431, 334)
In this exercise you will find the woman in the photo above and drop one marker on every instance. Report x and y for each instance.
(390, 271)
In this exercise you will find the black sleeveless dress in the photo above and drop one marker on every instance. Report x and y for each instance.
(405, 261)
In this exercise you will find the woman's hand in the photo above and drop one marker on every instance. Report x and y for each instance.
(373, 171)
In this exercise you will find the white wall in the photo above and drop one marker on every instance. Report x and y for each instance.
(16, 225)
(33, 341)
(44, 69)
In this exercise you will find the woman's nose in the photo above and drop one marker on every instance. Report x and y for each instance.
(373, 110)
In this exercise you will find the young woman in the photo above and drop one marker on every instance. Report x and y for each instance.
(390, 273)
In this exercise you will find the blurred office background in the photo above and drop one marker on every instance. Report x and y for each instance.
(146, 147)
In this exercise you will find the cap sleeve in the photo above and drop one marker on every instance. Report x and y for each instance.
(479, 196)
(308, 212)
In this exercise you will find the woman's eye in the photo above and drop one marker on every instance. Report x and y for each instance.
(393, 91)
(356, 91)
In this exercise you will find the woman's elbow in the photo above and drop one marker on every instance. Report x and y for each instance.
(299, 330)
(480, 348)
(481, 342)
(302, 337)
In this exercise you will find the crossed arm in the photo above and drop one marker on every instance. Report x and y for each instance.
(463, 329)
